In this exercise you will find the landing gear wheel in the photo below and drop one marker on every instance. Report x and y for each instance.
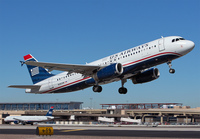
(122, 90)
(97, 88)
(172, 71)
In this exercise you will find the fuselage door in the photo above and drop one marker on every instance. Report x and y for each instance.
(161, 44)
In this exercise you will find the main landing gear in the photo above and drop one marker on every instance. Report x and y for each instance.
(97, 88)
(123, 90)
(172, 71)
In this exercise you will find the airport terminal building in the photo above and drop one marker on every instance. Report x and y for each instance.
(163, 113)
(40, 106)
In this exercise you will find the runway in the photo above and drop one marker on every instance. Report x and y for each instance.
(105, 131)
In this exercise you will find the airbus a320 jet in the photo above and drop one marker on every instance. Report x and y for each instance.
(137, 64)
(30, 119)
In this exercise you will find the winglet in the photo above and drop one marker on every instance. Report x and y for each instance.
(22, 63)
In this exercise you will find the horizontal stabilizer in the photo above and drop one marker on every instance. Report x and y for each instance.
(25, 86)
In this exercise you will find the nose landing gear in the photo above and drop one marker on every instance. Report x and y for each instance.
(172, 71)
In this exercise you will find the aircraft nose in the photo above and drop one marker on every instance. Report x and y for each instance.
(190, 45)
(186, 46)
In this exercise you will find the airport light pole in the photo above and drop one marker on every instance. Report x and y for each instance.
(91, 103)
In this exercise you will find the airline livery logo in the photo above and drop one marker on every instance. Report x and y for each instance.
(34, 71)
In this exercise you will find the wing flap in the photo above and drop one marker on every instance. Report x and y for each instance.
(20, 120)
(83, 69)
(25, 86)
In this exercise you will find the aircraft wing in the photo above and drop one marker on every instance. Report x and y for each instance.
(25, 86)
(83, 69)
(20, 120)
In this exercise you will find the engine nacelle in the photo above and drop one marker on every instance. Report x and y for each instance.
(146, 76)
(16, 122)
(108, 72)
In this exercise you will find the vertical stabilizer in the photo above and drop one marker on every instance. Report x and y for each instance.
(37, 73)
(50, 112)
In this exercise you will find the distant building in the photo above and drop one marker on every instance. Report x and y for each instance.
(140, 105)
(41, 106)
(72, 112)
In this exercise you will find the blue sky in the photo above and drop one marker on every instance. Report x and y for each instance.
(80, 31)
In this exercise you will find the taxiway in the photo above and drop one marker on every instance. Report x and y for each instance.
(108, 131)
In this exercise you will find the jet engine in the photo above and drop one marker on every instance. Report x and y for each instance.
(146, 76)
(108, 72)
(16, 122)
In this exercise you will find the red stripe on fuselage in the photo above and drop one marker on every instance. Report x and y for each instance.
(151, 57)
(123, 65)
(65, 85)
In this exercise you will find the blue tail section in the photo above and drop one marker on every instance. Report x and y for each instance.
(50, 112)
(37, 73)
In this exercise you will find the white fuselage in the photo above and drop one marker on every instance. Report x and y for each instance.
(28, 118)
(133, 60)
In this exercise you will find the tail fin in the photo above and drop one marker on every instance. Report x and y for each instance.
(37, 73)
(50, 112)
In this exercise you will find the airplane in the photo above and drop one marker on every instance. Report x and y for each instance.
(137, 64)
(30, 119)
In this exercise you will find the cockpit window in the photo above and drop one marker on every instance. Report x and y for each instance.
(177, 39)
